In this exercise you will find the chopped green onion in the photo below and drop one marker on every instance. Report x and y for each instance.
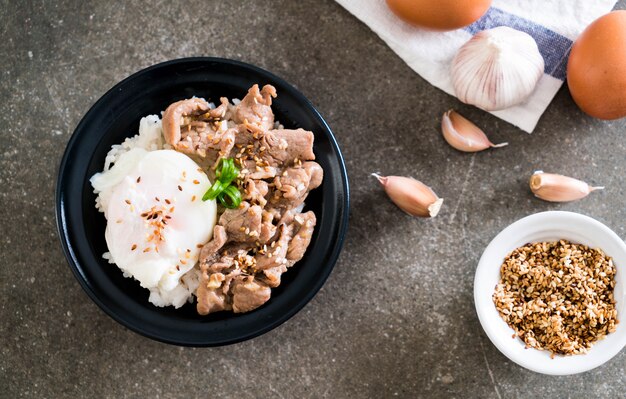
(230, 197)
(226, 171)
(227, 194)
(214, 191)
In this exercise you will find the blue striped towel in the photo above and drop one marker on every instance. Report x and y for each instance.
(554, 24)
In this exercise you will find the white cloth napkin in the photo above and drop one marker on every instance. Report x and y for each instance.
(554, 24)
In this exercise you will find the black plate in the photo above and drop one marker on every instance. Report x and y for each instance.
(81, 228)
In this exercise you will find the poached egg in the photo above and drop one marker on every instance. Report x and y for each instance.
(157, 222)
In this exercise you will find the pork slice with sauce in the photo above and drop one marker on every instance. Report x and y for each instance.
(255, 191)
(209, 252)
(286, 146)
(210, 297)
(275, 254)
(191, 127)
(249, 293)
(303, 226)
(255, 107)
(214, 292)
(243, 224)
(292, 187)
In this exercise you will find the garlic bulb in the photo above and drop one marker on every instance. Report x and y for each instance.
(463, 135)
(410, 195)
(497, 68)
(559, 188)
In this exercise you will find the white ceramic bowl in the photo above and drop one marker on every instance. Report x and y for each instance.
(549, 226)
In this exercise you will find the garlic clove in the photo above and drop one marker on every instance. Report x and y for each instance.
(410, 195)
(558, 188)
(463, 135)
(497, 68)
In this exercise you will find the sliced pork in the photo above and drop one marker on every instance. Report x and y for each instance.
(255, 108)
(253, 245)
(193, 128)
(304, 225)
(285, 146)
(244, 223)
(249, 294)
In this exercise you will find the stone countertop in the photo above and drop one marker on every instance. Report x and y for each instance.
(395, 318)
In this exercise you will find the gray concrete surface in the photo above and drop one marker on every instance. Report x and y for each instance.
(395, 319)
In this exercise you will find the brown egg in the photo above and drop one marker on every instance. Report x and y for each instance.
(439, 14)
(596, 70)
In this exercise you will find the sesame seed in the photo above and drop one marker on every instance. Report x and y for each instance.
(134, 247)
(147, 249)
(167, 201)
(554, 296)
(139, 179)
(193, 198)
(196, 182)
(180, 188)
(127, 201)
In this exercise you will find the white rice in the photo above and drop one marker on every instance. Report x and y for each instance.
(150, 138)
